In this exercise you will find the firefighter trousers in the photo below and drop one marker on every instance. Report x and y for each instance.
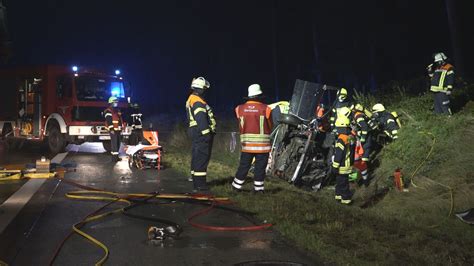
(367, 147)
(261, 160)
(441, 103)
(342, 186)
(200, 156)
(115, 140)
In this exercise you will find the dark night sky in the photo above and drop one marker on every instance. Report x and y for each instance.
(161, 45)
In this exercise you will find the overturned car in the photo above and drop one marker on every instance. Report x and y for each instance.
(301, 149)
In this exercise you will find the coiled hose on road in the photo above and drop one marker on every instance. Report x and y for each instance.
(134, 199)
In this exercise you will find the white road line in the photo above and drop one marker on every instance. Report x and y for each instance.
(13, 205)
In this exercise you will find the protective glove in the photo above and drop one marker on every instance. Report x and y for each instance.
(448, 92)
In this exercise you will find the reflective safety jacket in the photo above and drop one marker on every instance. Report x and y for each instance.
(363, 125)
(323, 120)
(388, 124)
(279, 108)
(283, 105)
(200, 115)
(443, 79)
(337, 106)
(113, 119)
(344, 154)
(255, 123)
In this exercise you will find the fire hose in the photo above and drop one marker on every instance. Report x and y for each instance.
(134, 199)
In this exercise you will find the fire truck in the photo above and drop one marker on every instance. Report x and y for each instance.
(58, 105)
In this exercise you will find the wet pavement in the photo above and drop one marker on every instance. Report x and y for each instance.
(34, 235)
(18, 158)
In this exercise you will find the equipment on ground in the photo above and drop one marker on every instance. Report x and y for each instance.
(147, 154)
(43, 165)
(58, 105)
(161, 233)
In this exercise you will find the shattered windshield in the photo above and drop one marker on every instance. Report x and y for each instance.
(98, 89)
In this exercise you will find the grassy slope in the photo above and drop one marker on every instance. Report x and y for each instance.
(408, 227)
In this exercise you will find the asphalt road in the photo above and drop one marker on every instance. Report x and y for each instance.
(33, 236)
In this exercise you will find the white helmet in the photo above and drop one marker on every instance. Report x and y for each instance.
(200, 83)
(439, 57)
(377, 108)
(254, 90)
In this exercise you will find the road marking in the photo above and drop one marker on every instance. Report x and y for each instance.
(13, 205)
(59, 158)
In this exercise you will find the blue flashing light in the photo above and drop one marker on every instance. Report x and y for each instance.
(74, 68)
(117, 72)
(115, 92)
(117, 89)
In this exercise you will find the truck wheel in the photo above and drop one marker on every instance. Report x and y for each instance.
(107, 145)
(56, 140)
(8, 140)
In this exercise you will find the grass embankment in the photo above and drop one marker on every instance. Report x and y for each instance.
(402, 228)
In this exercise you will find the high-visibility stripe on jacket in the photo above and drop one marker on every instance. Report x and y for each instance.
(363, 125)
(343, 154)
(200, 115)
(358, 151)
(388, 124)
(324, 125)
(255, 126)
(113, 119)
(443, 79)
(334, 111)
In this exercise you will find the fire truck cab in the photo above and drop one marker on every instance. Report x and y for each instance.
(58, 104)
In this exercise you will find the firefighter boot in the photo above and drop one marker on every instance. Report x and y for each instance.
(199, 183)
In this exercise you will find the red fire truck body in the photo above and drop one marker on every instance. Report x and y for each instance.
(58, 104)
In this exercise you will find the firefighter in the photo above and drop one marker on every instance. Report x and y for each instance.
(364, 127)
(323, 121)
(279, 108)
(114, 122)
(386, 121)
(343, 159)
(341, 102)
(202, 127)
(255, 123)
(137, 126)
(442, 81)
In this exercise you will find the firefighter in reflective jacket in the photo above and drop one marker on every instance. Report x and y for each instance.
(343, 159)
(202, 127)
(137, 126)
(386, 122)
(341, 102)
(442, 81)
(279, 108)
(364, 127)
(113, 122)
(255, 123)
